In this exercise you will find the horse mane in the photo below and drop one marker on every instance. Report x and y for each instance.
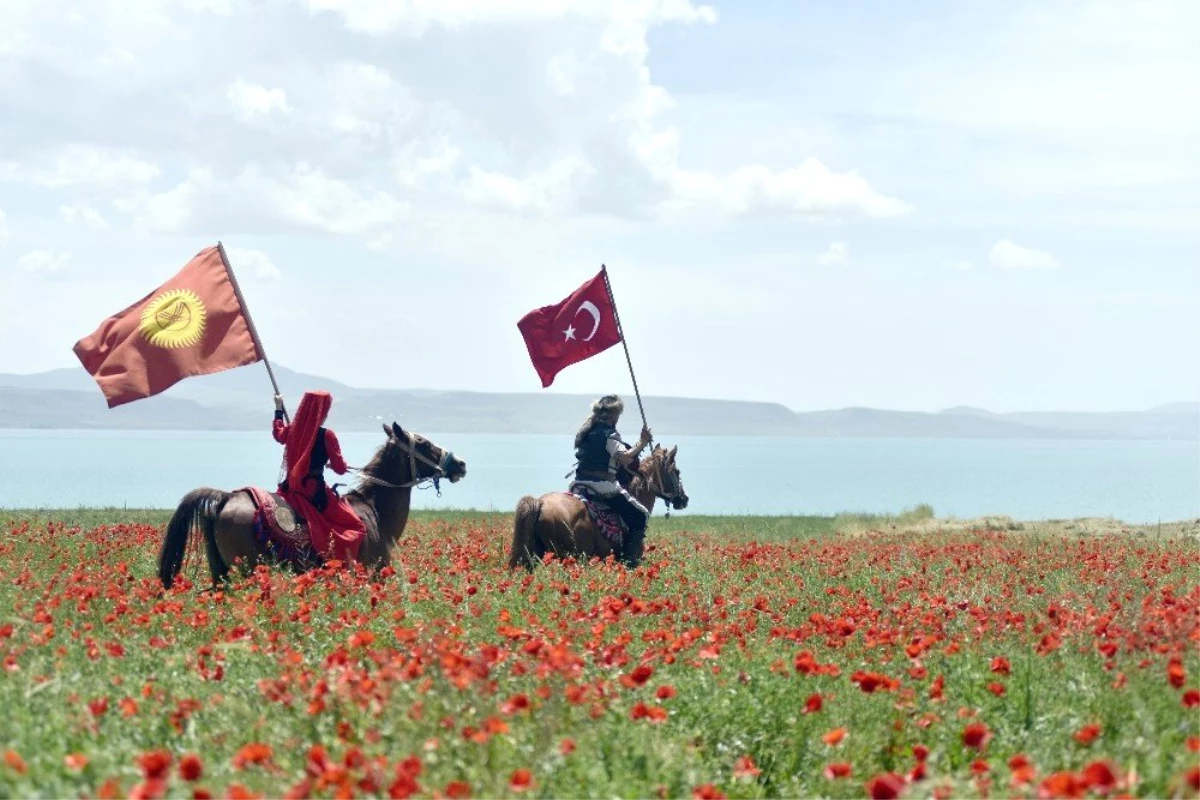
(635, 481)
(364, 490)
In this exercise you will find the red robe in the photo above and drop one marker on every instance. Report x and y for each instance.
(338, 532)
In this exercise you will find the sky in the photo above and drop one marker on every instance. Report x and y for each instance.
(823, 204)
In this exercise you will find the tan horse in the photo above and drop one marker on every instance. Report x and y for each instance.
(381, 500)
(559, 523)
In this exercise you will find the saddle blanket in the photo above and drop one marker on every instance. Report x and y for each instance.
(279, 530)
(607, 521)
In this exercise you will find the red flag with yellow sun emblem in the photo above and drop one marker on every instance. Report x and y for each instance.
(193, 324)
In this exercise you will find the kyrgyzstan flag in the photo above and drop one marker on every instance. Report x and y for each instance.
(191, 325)
(579, 327)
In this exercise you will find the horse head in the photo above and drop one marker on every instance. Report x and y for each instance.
(408, 458)
(664, 473)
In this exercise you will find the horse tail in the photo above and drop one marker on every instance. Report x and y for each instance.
(529, 509)
(199, 507)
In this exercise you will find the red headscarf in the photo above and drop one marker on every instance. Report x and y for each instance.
(302, 435)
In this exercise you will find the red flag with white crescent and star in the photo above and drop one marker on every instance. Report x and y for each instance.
(567, 332)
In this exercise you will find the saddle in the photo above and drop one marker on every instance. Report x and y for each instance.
(610, 524)
(281, 531)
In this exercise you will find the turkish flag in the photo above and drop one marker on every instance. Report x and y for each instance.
(191, 325)
(567, 332)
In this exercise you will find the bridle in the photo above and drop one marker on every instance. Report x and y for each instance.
(409, 445)
(674, 489)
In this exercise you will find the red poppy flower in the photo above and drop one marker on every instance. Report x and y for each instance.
(1192, 778)
(1099, 776)
(707, 791)
(886, 786)
(190, 767)
(1087, 734)
(744, 767)
(514, 704)
(521, 780)
(920, 752)
(813, 704)
(665, 692)
(637, 677)
(834, 736)
(155, 764)
(1061, 785)
(838, 769)
(1022, 768)
(1176, 675)
(14, 762)
(458, 790)
(870, 681)
(253, 753)
(1191, 698)
(1001, 665)
(976, 735)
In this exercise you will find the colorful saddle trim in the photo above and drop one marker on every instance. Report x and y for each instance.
(607, 521)
(280, 532)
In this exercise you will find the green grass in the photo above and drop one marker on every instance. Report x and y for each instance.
(96, 661)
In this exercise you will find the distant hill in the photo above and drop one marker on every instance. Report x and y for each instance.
(240, 399)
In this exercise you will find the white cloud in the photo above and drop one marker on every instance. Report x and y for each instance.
(414, 170)
(83, 215)
(1006, 255)
(82, 165)
(809, 190)
(256, 261)
(373, 16)
(838, 255)
(252, 99)
(540, 192)
(259, 199)
(43, 262)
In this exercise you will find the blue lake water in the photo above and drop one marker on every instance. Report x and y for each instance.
(1140, 482)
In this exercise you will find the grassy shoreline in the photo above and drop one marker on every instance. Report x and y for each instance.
(762, 527)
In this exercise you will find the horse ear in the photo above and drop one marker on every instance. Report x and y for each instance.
(397, 431)
(672, 453)
(387, 430)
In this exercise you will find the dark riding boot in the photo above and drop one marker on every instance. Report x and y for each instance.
(632, 547)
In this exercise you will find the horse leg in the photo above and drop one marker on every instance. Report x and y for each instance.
(231, 539)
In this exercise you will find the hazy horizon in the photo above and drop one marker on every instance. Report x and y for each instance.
(823, 205)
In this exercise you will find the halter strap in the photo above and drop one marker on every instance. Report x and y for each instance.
(409, 445)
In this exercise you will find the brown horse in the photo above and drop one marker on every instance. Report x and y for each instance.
(381, 500)
(558, 522)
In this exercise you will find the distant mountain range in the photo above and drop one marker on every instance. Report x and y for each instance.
(240, 399)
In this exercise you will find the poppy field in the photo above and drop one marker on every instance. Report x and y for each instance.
(746, 658)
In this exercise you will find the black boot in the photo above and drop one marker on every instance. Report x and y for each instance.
(632, 546)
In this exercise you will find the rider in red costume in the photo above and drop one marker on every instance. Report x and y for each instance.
(335, 529)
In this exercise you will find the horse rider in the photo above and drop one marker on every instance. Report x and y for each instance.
(336, 530)
(600, 451)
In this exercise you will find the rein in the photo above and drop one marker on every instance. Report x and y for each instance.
(409, 446)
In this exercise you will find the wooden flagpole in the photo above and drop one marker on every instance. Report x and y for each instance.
(237, 291)
(612, 300)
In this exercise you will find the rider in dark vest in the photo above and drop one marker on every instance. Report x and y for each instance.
(600, 451)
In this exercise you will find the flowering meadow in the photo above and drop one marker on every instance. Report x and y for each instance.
(746, 658)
